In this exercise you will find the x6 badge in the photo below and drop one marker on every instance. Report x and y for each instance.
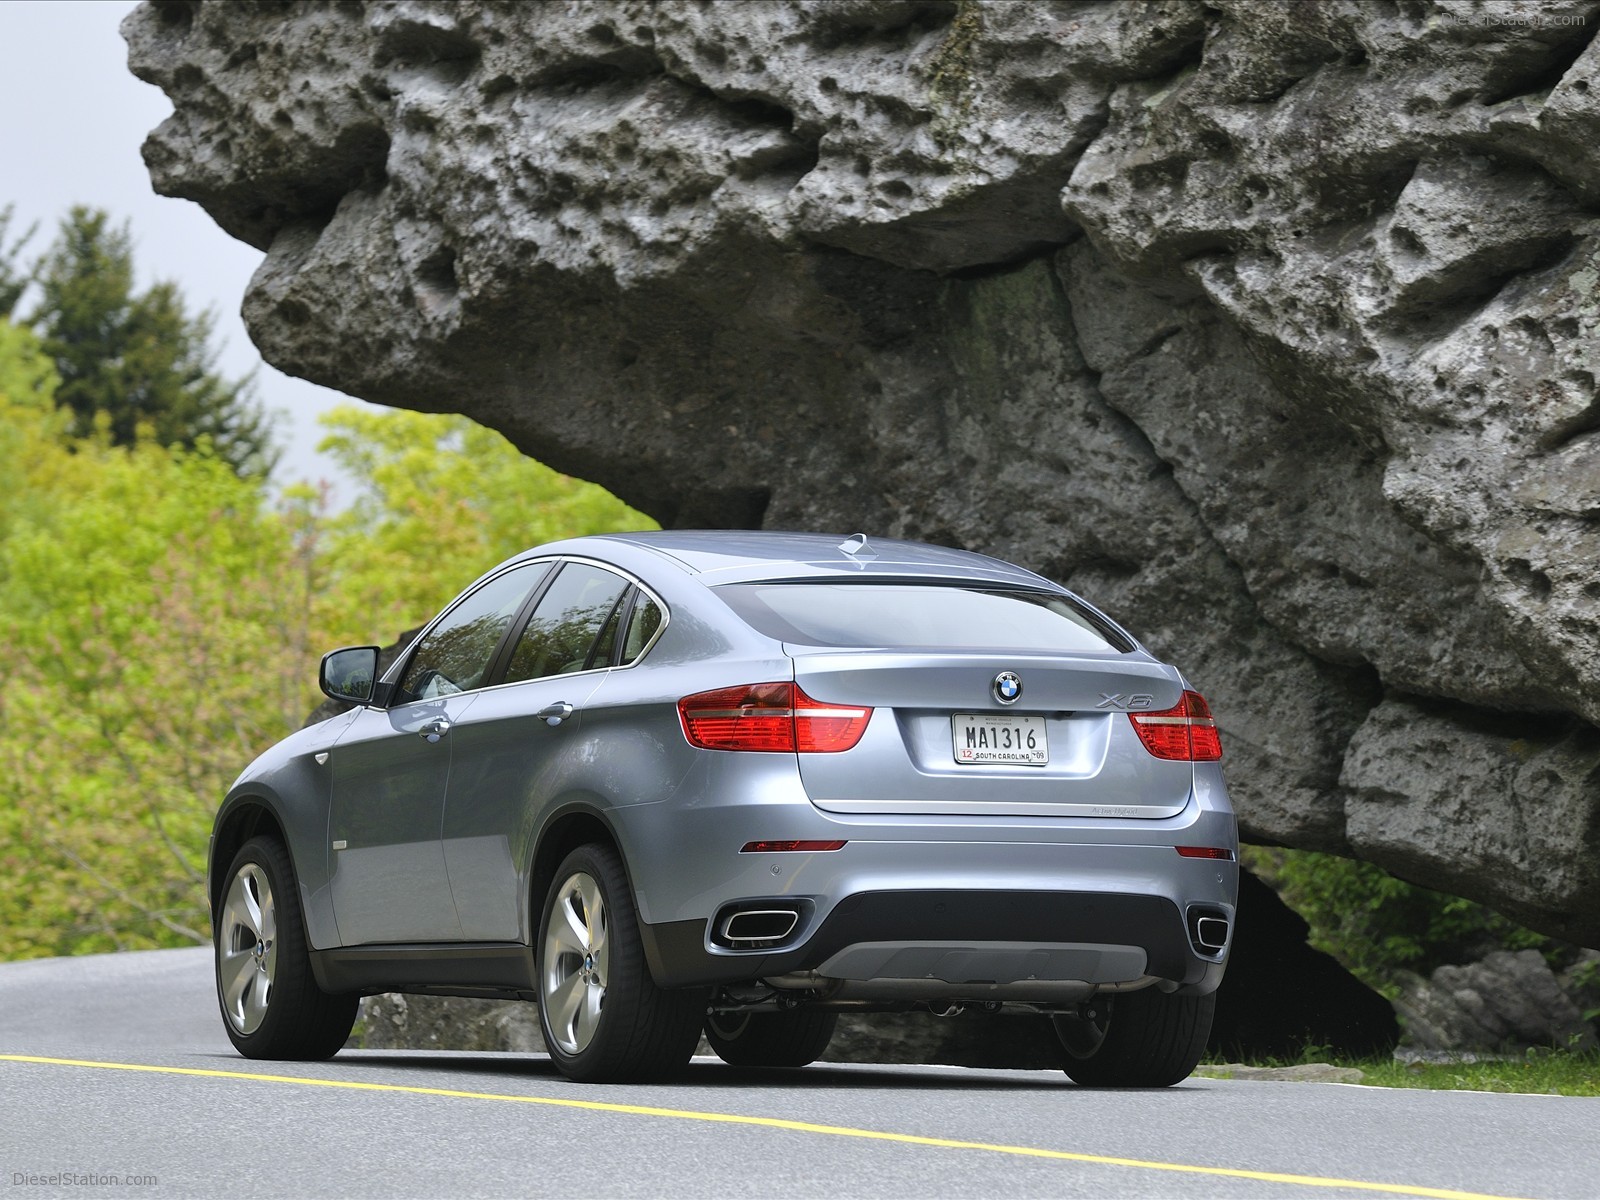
(1118, 700)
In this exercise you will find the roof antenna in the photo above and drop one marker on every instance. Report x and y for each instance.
(854, 544)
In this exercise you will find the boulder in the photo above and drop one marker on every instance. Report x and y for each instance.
(1271, 328)
(400, 1022)
(1506, 1003)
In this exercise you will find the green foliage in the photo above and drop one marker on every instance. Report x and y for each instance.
(1538, 1072)
(160, 622)
(1375, 924)
(444, 492)
(27, 376)
(147, 618)
(13, 276)
(137, 360)
(27, 415)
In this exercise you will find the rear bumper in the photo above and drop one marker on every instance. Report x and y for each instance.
(1041, 940)
(974, 893)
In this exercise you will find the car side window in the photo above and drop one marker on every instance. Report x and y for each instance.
(567, 624)
(641, 628)
(453, 656)
(605, 649)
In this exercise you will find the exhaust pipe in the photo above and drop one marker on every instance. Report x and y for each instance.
(1208, 930)
(1211, 932)
(759, 925)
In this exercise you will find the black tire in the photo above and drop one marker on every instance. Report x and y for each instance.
(1147, 1038)
(771, 1039)
(603, 1017)
(271, 1005)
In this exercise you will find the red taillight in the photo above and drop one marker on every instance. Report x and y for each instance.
(757, 716)
(789, 847)
(1221, 852)
(826, 728)
(1186, 732)
(770, 716)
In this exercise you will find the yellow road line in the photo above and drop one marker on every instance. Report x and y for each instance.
(683, 1114)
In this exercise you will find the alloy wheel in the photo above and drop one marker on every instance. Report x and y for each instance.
(248, 952)
(576, 963)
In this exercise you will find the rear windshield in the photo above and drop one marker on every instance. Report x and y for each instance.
(895, 615)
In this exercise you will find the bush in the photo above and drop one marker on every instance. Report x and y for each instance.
(1376, 925)
(161, 619)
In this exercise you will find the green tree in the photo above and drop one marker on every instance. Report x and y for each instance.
(27, 377)
(138, 358)
(160, 623)
(441, 493)
(28, 416)
(149, 623)
(13, 276)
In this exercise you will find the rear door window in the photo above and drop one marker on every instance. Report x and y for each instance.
(893, 615)
(562, 634)
(642, 627)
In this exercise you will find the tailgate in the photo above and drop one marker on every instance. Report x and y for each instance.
(940, 741)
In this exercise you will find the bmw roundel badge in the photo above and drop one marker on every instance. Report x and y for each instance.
(1007, 687)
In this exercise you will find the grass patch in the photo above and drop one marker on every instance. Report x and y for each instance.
(1552, 1072)
(1547, 1072)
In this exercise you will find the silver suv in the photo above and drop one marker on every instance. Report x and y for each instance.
(666, 782)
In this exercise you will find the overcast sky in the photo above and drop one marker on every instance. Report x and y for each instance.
(74, 121)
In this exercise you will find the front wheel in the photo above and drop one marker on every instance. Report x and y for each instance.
(1147, 1038)
(776, 1039)
(604, 1018)
(271, 1004)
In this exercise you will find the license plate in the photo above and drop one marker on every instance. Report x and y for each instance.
(999, 738)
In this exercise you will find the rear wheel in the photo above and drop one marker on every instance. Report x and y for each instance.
(271, 1004)
(775, 1039)
(604, 1018)
(1147, 1038)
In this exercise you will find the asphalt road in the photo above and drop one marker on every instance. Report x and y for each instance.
(116, 1079)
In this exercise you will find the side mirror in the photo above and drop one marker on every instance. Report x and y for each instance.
(349, 675)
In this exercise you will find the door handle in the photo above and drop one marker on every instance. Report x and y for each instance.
(556, 713)
(434, 729)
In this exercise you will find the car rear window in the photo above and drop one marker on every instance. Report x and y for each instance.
(895, 615)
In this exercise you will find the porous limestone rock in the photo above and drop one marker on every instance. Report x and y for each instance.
(1273, 328)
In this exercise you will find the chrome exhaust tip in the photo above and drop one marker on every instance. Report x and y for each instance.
(1211, 932)
(759, 925)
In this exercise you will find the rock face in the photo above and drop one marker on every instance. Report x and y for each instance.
(1274, 329)
(1505, 1003)
(396, 1022)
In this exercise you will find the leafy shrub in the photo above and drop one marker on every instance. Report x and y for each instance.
(1376, 925)
(161, 619)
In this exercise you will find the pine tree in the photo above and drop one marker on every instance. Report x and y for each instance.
(13, 276)
(138, 358)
